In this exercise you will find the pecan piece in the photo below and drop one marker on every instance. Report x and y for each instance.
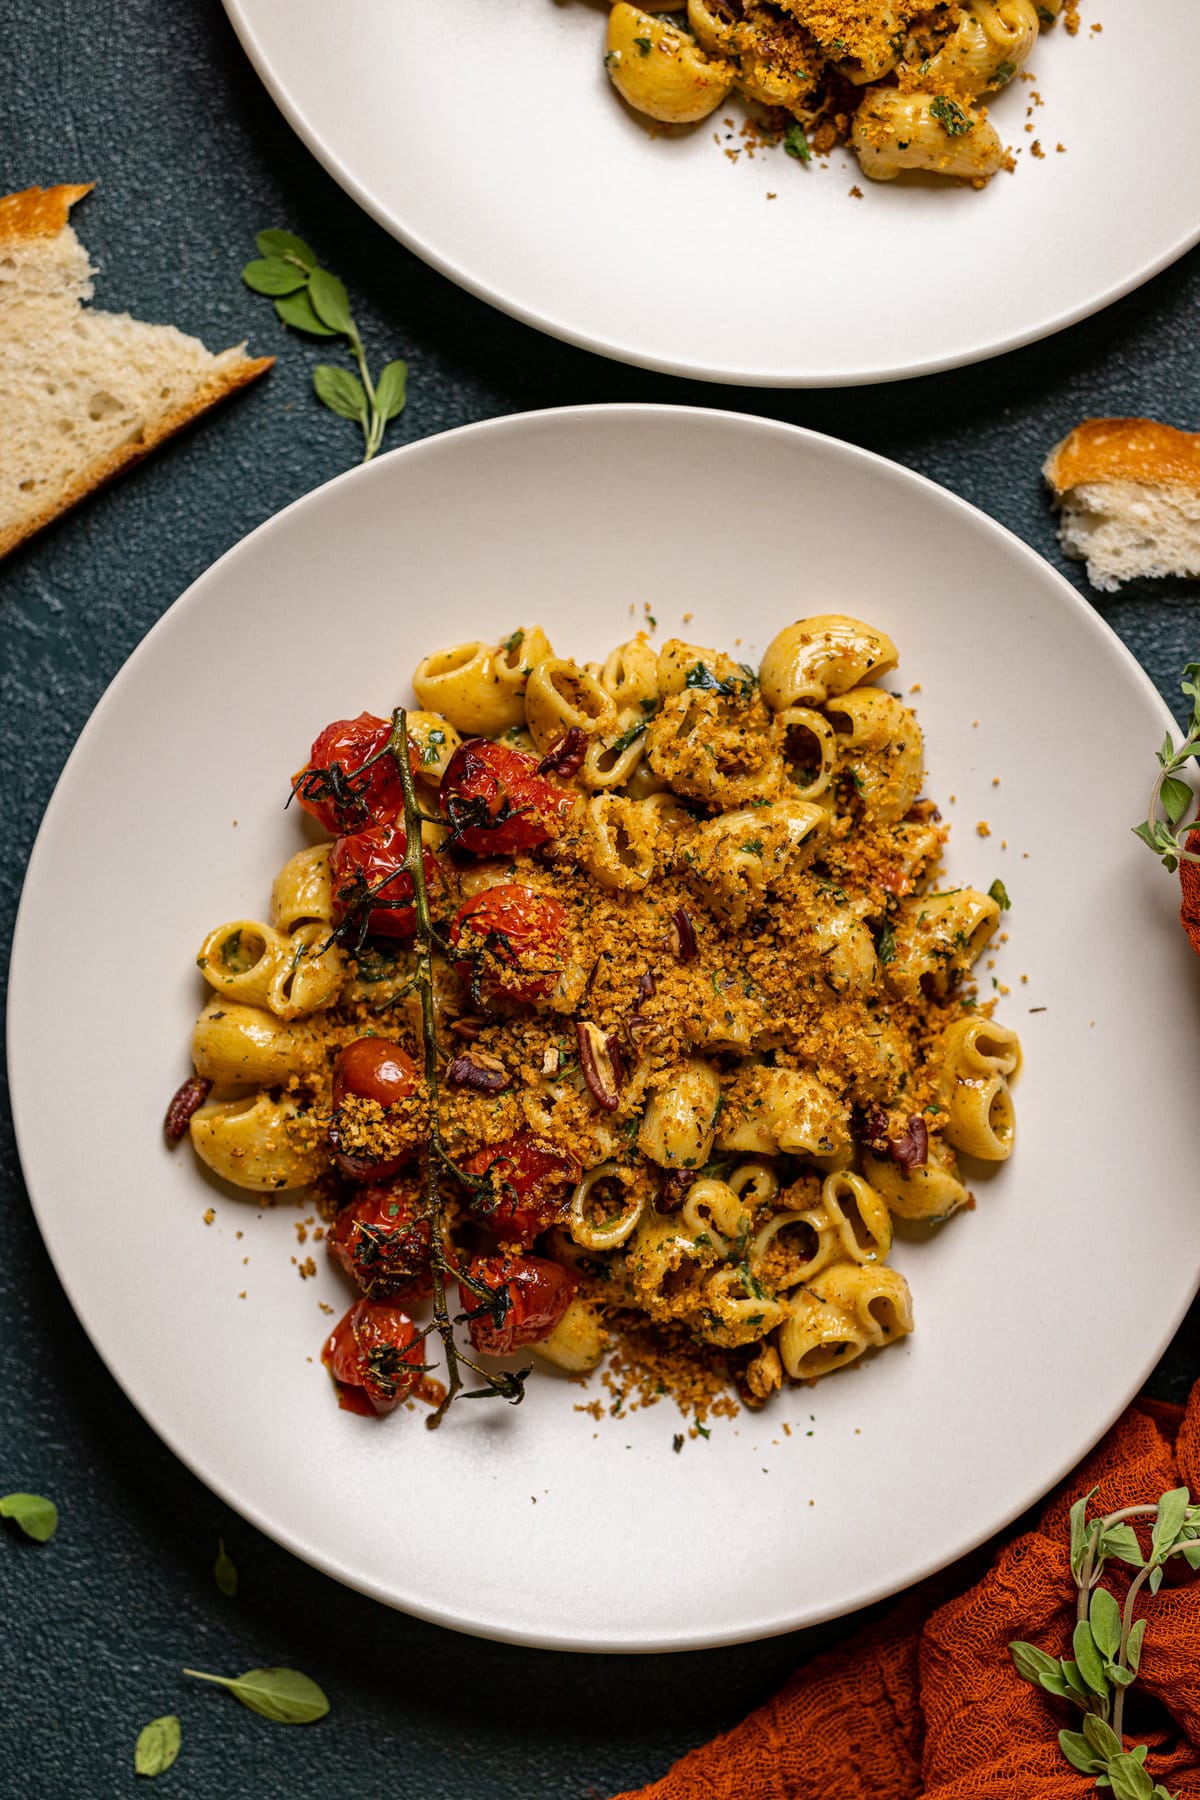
(674, 1190)
(466, 1029)
(600, 1060)
(683, 935)
(184, 1102)
(565, 758)
(910, 1150)
(645, 986)
(477, 1070)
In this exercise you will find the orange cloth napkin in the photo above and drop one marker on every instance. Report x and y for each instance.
(926, 1704)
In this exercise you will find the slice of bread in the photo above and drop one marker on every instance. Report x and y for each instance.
(83, 393)
(1129, 490)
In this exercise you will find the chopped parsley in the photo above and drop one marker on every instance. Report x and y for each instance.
(644, 44)
(1004, 74)
(796, 143)
(885, 944)
(999, 893)
(950, 116)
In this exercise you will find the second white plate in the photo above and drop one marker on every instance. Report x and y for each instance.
(488, 139)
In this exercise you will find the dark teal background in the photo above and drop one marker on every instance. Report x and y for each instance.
(157, 104)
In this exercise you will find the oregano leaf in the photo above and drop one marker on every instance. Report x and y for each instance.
(1079, 1752)
(1168, 1521)
(36, 1516)
(272, 275)
(225, 1571)
(1134, 1647)
(1101, 1737)
(1033, 1663)
(286, 243)
(296, 310)
(157, 1746)
(332, 303)
(1079, 1531)
(342, 392)
(1176, 797)
(1191, 1555)
(284, 1695)
(391, 390)
(1121, 1541)
(1104, 1616)
(1155, 1580)
(1075, 1682)
(1129, 1780)
(1091, 1666)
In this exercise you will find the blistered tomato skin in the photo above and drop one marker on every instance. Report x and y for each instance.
(371, 1069)
(333, 786)
(495, 801)
(383, 1244)
(538, 1294)
(372, 859)
(375, 1357)
(375, 1069)
(529, 1186)
(523, 930)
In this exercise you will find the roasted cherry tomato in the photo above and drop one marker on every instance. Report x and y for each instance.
(538, 1294)
(380, 1240)
(371, 1069)
(375, 1069)
(372, 860)
(529, 1184)
(333, 786)
(496, 802)
(375, 1356)
(516, 930)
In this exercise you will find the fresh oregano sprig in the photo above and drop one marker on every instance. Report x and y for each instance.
(1172, 795)
(507, 1386)
(1107, 1641)
(311, 299)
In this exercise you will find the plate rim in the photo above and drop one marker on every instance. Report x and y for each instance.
(317, 144)
(295, 1542)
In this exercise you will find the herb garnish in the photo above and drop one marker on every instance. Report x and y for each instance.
(950, 116)
(311, 299)
(427, 943)
(734, 687)
(157, 1746)
(999, 893)
(1108, 1640)
(36, 1516)
(284, 1695)
(1169, 792)
(796, 144)
(225, 1571)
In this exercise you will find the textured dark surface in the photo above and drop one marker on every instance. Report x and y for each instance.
(159, 106)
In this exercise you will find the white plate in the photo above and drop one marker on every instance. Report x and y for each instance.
(1038, 1315)
(485, 135)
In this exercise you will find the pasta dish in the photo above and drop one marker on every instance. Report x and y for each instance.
(904, 84)
(619, 1004)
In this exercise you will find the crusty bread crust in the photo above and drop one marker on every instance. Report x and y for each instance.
(1124, 450)
(38, 212)
(44, 212)
(219, 386)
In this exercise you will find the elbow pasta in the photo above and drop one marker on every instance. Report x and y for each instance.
(705, 1027)
(919, 70)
